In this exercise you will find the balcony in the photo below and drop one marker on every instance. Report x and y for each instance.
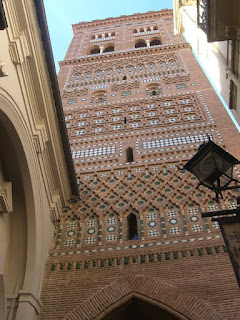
(219, 19)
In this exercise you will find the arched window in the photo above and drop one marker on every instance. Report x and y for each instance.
(135, 31)
(112, 34)
(95, 50)
(141, 30)
(155, 28)
(132, 227)
(99, 97)
(140, 44)
(155, 42)
(153, 90)
(109, 48)
(148, 29)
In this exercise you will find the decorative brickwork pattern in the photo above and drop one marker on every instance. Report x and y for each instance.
(137, 107)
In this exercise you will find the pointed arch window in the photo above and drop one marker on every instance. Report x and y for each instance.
(132, 227)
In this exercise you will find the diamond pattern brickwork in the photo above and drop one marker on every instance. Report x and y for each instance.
(164, 199)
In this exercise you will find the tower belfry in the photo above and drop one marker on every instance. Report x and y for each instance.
(137, 105)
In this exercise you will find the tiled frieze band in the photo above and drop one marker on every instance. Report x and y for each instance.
(133, 246)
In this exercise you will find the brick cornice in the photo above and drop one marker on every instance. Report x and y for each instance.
(182, 252)
(121, 19)
(125, 54)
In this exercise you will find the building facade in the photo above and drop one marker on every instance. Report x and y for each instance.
(137, 106)
(213, 30)
(36, 170)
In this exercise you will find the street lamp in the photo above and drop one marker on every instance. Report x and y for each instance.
(213, 167)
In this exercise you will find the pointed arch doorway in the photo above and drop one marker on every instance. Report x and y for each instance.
(161, 300)
(136, 308)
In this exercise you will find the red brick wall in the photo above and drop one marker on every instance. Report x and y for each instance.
(207, 280)
(178, 261)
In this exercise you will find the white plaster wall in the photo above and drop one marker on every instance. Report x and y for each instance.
(28, 113)
(213, 56)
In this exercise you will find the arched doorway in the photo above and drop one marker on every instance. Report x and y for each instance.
(20, 253)
(137, 308)
(13, 224)
(129, 293)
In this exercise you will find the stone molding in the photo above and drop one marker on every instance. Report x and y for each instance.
(29, 297)
(26, 50)
(2, 72)
(5, 197)
(19, 49)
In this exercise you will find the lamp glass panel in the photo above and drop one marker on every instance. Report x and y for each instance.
(205, 167)
(223, 165)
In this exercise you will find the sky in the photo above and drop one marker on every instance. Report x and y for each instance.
(61, 14)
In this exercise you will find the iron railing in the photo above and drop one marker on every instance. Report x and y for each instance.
(203, 14)
(3, 21)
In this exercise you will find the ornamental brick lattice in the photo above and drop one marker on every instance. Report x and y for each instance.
(133, 91)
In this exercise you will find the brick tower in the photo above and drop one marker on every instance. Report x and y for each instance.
(137, 105)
